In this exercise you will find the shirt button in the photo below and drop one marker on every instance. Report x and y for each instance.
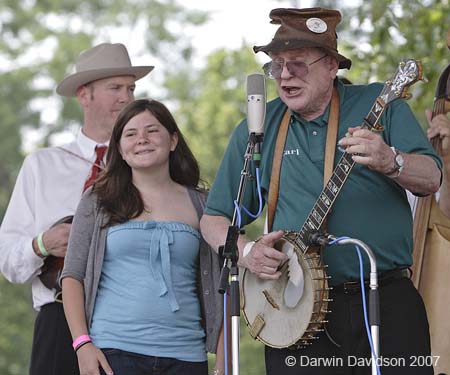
(314, 132)
(205, 272)
(206, 292)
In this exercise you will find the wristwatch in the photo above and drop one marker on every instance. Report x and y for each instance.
(399, 164)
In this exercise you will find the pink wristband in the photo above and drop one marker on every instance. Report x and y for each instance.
(80, 340)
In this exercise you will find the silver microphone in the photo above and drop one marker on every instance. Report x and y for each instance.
(256, 111)
(256, 103)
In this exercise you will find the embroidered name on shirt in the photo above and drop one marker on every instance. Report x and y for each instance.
(292, 152)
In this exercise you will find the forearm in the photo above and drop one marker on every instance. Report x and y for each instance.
(215, 228)
(90, 358)
(219, 366)
(73, 297)
(420, 174)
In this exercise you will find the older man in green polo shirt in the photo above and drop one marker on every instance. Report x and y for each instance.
(371, 206)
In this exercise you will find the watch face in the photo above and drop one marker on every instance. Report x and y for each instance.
(399, 160)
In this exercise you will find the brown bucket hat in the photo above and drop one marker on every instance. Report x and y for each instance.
(102, 61)
(310, 27)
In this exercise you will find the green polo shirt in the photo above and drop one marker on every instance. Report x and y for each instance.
(370, 207)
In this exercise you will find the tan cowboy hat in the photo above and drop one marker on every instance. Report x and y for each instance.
(102, 61)
(309, 27)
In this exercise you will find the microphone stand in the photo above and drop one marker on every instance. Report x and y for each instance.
(230, 253)
(374, 302)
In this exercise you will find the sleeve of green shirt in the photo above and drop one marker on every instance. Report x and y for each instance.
(226, 183)
(404, 132)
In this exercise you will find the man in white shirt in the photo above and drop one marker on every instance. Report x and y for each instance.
(49, 187)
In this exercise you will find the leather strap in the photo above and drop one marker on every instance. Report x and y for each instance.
(332, 131)
(330, 149)
(276, 168)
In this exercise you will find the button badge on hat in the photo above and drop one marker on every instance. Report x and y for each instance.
(316, 25)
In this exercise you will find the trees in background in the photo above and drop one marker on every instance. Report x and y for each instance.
(41, 38)
(378, 34)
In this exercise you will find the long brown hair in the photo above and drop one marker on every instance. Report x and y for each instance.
(117, 195)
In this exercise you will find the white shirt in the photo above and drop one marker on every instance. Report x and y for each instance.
(49, 187)
(414, 200)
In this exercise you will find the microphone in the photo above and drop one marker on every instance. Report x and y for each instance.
(256, 112)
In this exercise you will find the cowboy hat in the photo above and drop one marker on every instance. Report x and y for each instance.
(102, 61)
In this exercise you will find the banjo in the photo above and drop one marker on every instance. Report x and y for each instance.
(291, 311)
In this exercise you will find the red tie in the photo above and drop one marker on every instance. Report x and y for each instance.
(96, 167)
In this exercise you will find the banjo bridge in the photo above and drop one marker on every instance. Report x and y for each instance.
(271, 300)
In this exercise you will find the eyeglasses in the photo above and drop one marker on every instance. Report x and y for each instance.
(273, 69)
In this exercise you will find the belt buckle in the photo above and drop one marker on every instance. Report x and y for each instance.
(351, 287)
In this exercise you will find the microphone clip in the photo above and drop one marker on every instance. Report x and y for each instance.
(320, 238)
(256, 139)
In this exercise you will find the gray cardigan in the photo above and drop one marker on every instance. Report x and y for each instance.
(84, 260)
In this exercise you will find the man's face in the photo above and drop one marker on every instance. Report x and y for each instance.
(103, 99)
(306, 91)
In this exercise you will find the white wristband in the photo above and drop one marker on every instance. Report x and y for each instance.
(248, 246)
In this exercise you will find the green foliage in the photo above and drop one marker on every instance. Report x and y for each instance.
(39, 42)
(212, 101)
(378, 34)
(16, 325)
(251, 353)
(15, 97)
(40, 39)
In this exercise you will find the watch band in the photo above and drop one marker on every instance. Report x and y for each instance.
(398, 167)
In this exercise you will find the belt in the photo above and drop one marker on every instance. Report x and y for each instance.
(352, 287)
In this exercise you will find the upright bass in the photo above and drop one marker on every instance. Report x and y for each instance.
(431, 267)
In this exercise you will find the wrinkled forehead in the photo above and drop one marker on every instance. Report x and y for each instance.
(297, 53)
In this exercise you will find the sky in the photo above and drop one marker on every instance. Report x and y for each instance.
(231, 23)
(234, 21)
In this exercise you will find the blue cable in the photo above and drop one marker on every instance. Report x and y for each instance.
(236, 206)
(363, 295)
(238, 212)
(258, 187)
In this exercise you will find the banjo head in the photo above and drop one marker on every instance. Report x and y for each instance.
(265, 311)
